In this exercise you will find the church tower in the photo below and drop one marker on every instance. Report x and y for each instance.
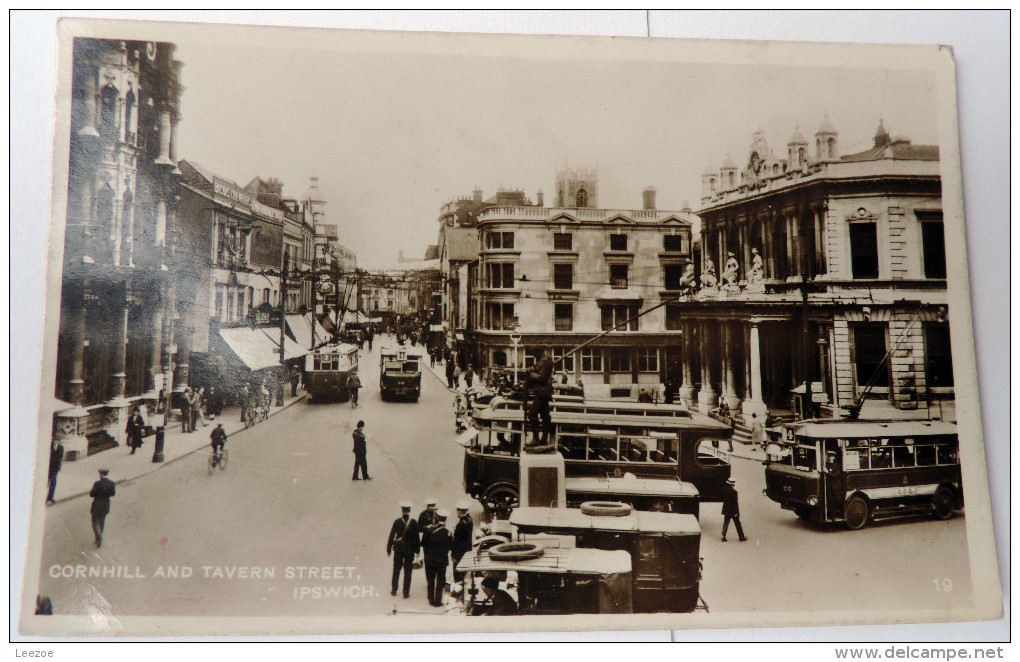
(796, 151)
(577, 187)
(826, 145)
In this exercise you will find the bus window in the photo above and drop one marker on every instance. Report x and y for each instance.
(633, 450)
(805, 457)
(881, 457)
(903, 455)
(925, 455)
(410, 366)
(392, 366)
(602, 448)
(946, 452)
(854, 458)
(666, 447)
(572, 446)
(833, 456)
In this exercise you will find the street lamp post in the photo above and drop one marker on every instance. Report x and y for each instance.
(515, 338)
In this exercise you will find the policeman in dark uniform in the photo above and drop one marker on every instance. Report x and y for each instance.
(436, 541)
(428, 517)
(541, 391)
(102, 490)
(463, 537)
(403, 543)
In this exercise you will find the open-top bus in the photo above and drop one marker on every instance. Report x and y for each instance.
(664, 547)
(854, 471)
(399, 373)
(328, 370)
(596, 438)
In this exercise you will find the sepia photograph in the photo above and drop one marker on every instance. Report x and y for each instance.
(365, 332)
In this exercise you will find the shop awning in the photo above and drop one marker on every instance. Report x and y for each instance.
(301, 328)
(259, 348)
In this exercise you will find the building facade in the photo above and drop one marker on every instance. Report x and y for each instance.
(823, 281)
(117, 303)
(561, 277)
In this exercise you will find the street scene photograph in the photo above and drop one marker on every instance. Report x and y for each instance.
(369, 332)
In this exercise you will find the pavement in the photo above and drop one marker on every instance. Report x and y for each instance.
(76, 478)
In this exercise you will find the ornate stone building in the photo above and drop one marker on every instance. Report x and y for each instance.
(559, 277)
(117, 302)
(823, 279)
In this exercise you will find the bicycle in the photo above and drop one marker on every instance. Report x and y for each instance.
(218, 460)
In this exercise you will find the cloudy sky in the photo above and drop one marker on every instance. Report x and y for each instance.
(394, 132)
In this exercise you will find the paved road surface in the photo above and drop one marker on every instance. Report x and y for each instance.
(287, 501)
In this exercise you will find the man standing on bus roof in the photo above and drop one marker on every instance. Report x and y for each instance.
(360, 453)
(731, 510)
(540, 385)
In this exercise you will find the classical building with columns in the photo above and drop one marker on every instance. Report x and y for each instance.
(823, 280)
(559, 277)
(116, 299)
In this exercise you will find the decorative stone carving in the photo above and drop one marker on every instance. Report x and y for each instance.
(756, 274)
(686, 284)
(708, 278)
(731, 273)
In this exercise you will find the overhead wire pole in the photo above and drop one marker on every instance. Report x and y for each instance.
(283, 324)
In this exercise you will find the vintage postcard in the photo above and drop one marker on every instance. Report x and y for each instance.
(363, 332)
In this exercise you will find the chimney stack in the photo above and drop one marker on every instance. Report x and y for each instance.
(477, 196)
(649, 197)
(541, 198)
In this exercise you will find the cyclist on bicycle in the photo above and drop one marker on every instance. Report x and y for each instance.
(219, 440)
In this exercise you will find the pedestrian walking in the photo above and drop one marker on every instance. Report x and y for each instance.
(449, 373)
(134, 430)
(403, 544)
(469, 376)
(186, 410)
(731, 511)
(436, 542)
(360, 452)
(215, 403)
(56, 462)
(429, 516)
(244, 400)
(102, 491)
(463, 538)
(295, 378)
(354, 384)
(456, 375)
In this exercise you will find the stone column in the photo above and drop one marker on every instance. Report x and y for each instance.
(89, 130)
(161, 222)
(686, 393)
(182, 336)
(819, 218)
(792, 254)
(707, 395)
(728, 386)
(754, 405)
(156, 352)
(119, 357)
(74, 329)
(769, 246)
(164, 139)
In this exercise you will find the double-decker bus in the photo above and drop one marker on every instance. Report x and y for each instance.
(596, 438)
(399, 373)
(857, 471)
(328, 370)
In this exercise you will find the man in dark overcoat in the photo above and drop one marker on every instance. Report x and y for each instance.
(403, 544)
(731, 510)
(56, 462)
(463, 538)
(360, 452)
(541, 390)
(102, 490)
(135, 429)
(436, 541)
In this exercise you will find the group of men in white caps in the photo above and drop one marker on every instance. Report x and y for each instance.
(430, 537)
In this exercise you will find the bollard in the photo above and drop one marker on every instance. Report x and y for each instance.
(157, 456)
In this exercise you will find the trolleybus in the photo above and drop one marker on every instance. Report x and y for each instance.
(598, 438)
(858, 471)
(328, 370)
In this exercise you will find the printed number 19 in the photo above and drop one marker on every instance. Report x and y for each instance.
(943, 585)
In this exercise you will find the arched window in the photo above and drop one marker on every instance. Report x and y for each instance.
(733, 179)
(104, 207)
(126, 238)
(801, 156)
(108, 111)
(711, 185)
(832, 148)
(582, 198)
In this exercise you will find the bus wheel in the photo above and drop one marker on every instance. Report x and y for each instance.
(500, 499)
(856, 512)
(943, 503)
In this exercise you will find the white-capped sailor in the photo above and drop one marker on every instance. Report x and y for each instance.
(403, 543)
(463, 537)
